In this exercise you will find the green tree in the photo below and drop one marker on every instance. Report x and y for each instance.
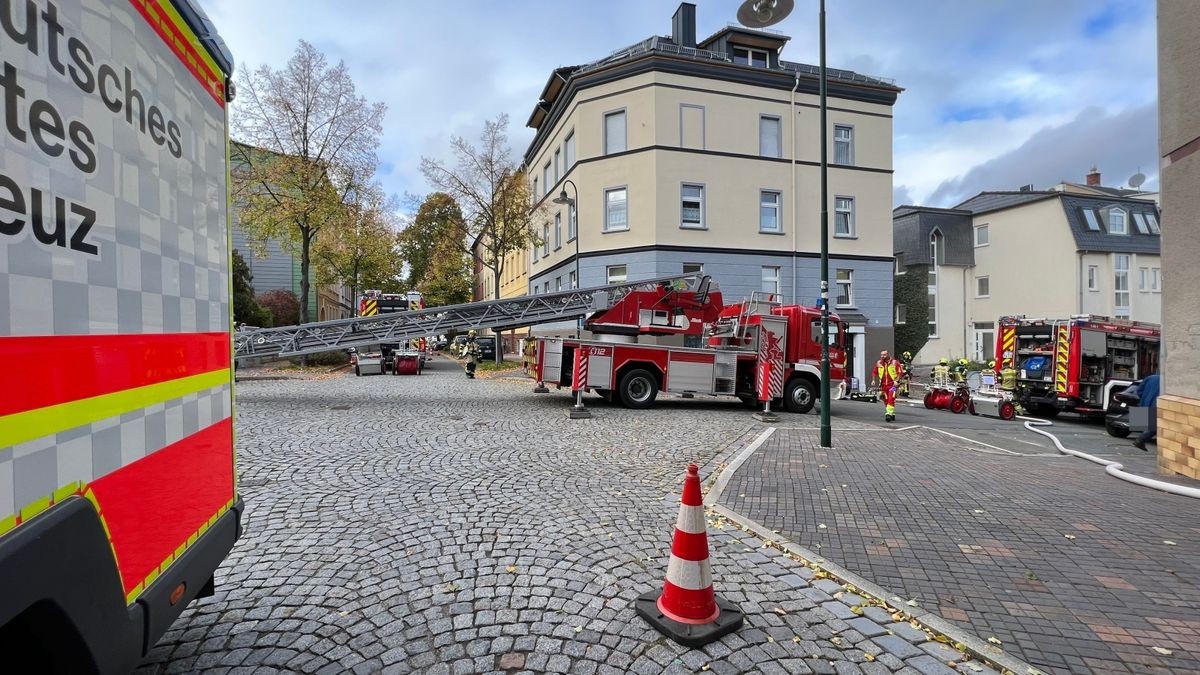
(245, 307)
(438, 218)
(311, 143)
(364, 251)
(911, 289)
(447, 279)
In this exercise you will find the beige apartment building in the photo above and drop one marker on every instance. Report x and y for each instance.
(1179, 146)
(1051, 253)
(703, 156)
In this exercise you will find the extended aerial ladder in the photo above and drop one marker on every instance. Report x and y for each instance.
(497, 315)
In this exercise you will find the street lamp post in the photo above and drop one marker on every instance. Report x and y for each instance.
(826, 429)
(570, 203)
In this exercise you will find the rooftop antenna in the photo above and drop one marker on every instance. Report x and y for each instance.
(763, 13)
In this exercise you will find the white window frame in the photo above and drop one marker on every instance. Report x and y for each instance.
(750, 52)
(773, 271)
(1124, 221)
(625, 140)
(558, 284)
(777, 151)
(558, 230)
(848, 142)
(569, 151)
(901, 314)
(839, 283)
(558, 171)
(852, 231)
(1156, 280)
(1152, 221)
(608, 191)
(985, 279)
(1093, 278)
(608, 274)
(546, 177)
(1092, 221)
(546, 239)
(1122, 311)
(1143, 274)
(987, 240)
(932, 289)
(978, 330)
(536, 196)
(777, 205)
(1139, 221)
(702, 225)
(573, 222)
(574, 281)
(699, 268)
(899, 270)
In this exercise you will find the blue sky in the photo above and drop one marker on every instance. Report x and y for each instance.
(998, 93)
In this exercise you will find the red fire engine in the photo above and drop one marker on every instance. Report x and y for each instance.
(757, 350)
(1075, 364)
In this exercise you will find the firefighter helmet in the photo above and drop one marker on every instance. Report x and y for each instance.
(992, 365)
(963, 362)
(907, 356)
(471, 333)
(944, 361)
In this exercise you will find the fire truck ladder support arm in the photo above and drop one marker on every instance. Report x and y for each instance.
(324, 336)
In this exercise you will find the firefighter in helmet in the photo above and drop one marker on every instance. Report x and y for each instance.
(941, 372)
(472, 351)
(959, 371)
(887, 373)
(906, 361)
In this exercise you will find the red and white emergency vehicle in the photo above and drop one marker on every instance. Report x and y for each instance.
(756, 350)
(117, 493)
(1075, 364)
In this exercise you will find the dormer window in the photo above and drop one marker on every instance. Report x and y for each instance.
(1090, 216)
(1152, 221)
(750, 57)
(1115, 217)
(1139, 221)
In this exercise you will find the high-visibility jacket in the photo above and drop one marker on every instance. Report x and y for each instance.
(888, 373)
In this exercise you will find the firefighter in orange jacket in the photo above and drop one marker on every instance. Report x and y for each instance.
(887, 373)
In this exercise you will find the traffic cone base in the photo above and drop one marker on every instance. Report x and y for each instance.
(729, 618)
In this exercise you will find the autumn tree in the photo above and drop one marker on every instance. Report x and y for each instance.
(447, 278)
(493, 193)
(438, 218)
(362, 252)
(310, 142)
(282, 304)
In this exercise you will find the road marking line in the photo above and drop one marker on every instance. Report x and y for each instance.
(727, 474)
(971, 440)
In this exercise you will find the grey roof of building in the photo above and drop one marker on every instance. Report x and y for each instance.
(994, 201)
(912, 226)
(1102, 241)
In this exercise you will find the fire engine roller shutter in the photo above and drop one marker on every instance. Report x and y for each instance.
(600, 367)
(690, 371)
(552, 360)
(131, 407)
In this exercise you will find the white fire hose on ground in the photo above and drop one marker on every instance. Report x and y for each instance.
(1114, 469)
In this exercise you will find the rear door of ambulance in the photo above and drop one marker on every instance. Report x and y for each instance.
(117, 495)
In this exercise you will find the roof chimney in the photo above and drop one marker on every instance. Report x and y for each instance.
(683, 25)
(1093, 177)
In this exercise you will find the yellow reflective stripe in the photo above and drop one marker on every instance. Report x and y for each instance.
(176, 18)
(8, 523)
(31, 424)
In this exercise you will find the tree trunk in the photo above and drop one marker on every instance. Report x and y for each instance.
(305, 243)
(499, 342)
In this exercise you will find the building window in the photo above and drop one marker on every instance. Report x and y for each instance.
(558, 284)
(899, 264)
(901, 315)
(983, 287)
(1152, 221)
(1139, 221)
(1116, 222)
(845, 288)
(545, 239)
(1093, 278)
(691, 206)
(985, 340)
(843, 217)
(569, 151)
(574, 281)
(558, 170)
(616, 210)
(546, 184)
(557, 231)
(750, 57)
(1121, 286)
(616, 274)
(770, 141)
(614, 132)
(546, 287)
(572, 222)
(535, 189)
(768, 211)
(981, 235)
(770, 279)
(1090, 216)
(843, 144)
(935, 243)
(693, 268)
(1154, 274)
(1143, 277)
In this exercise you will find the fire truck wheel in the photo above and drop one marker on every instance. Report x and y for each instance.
(1007, 410)
(638, 389)
(971, 408)
(799, 397)
(957, 405)
(1117, 432)
(929, 400)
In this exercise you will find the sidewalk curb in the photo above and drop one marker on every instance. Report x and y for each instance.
(972, 645)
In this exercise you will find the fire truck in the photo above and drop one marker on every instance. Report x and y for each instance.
(383, 359)
(757, 350)
(1075, 364)
(117, 482)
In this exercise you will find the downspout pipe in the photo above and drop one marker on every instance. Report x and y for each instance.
(795, 191)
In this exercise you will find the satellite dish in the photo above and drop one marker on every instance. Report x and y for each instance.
(1136, 180)
(763, 13)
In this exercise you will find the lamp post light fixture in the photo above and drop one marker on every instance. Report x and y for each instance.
(570, 203)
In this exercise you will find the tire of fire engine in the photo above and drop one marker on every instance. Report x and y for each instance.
(799, 396)
(1117, 432)
(971, 408)
(957, 406)
(1007, 410)
(638, 389)
(929, 400)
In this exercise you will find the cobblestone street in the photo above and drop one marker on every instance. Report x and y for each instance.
(1072, 570)
(438, 524)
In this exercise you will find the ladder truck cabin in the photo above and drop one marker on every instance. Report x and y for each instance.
(1076, 364)
(741, 340)
(381, 358)
(117, 494)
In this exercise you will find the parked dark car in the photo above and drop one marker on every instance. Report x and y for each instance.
(487, 348)
(1116, 418)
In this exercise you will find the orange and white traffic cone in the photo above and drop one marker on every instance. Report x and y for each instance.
(687, 610)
